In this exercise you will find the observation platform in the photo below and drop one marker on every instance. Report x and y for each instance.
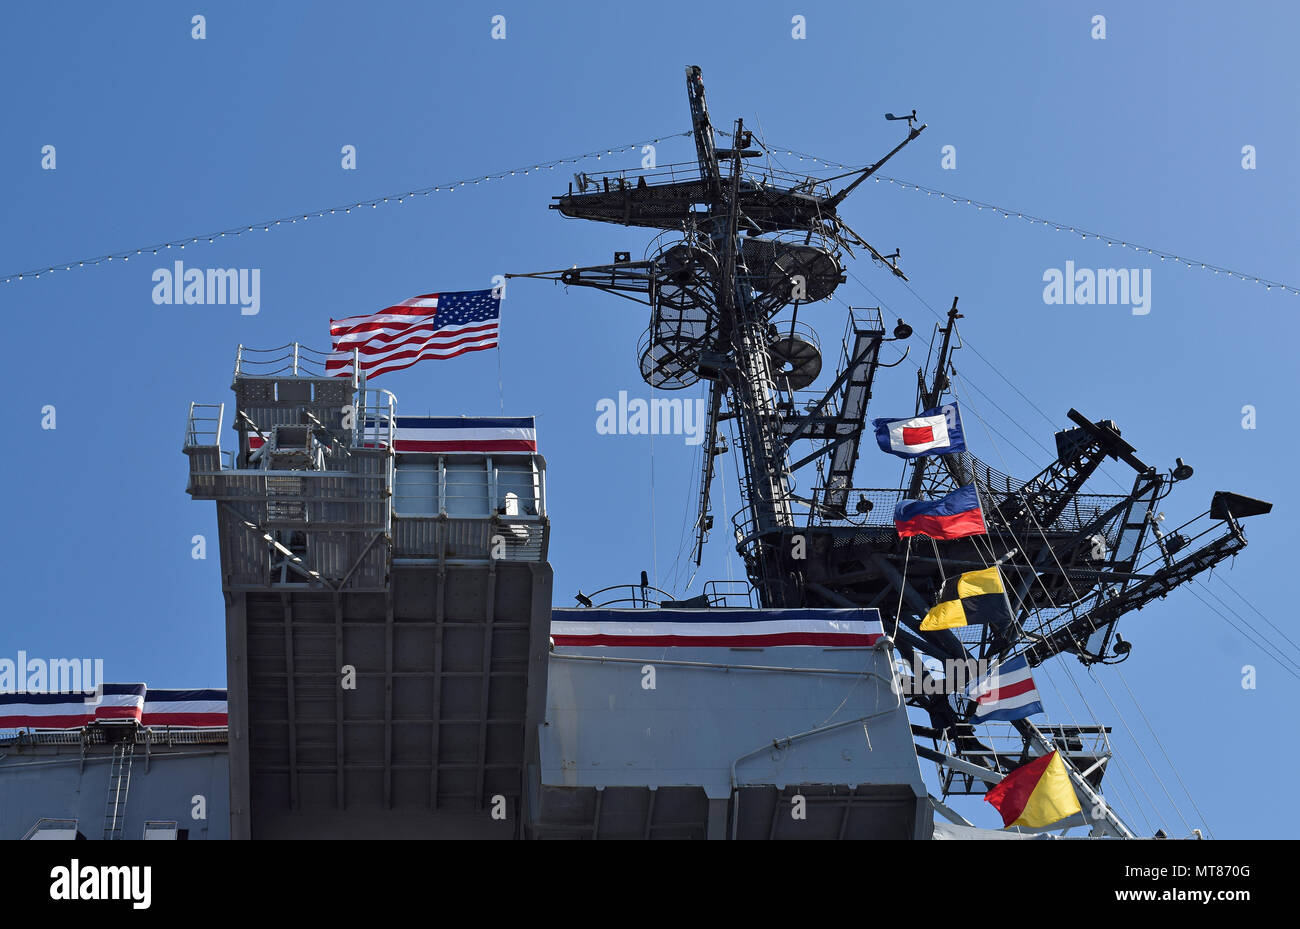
(386, 607)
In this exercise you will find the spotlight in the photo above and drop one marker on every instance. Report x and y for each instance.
(1122, 647)
(1183, 471)
(902, 330)
(583, 599)
(863, 505)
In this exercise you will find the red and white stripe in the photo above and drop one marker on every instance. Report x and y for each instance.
(1008, 687)
(919, 434)
(185, 708)
(411, 436)
(198, 709)
(399, 336)
(626, 628)
(70, 711)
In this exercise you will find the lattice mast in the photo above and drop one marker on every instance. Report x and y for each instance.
(739, 246)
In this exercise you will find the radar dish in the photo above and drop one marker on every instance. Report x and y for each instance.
(683, 320)
(796, 357)
(773, 265)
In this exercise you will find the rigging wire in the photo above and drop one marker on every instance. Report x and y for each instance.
(654, 548)
(968, 382)
(267, 224)
(966, 343)
(1243, 599)
(1122, 765)
(1074, 592)
(1261, 646)
(1172, 767)
(675, 572)
(1065, 667)
(1008, 213)
(1121, 761)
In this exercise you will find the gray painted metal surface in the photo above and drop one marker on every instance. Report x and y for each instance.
(387, 616)
(55, 780)
(710, 732)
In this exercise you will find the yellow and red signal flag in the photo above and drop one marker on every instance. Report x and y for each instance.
(1035, 795)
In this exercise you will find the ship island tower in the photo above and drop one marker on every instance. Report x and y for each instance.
(386, 612)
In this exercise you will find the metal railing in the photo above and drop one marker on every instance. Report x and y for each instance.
(375, 424)
(293, 360)
(1004, 748)
(729, 594)
(154, 735)
(865, 507)
(161, 829)
(202, 428)
(683, 172)
(45, 824)
(719, 593)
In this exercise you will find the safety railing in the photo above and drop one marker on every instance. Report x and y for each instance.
(47, 828)
(719, 594)
(203, 426)
(292, 360)
(375, 424)
(865, 507)
(729, 594)
(155, 735)
(759, 175)
(627, 596)
(1001, 747)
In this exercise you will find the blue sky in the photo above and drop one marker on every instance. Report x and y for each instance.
(159, 136)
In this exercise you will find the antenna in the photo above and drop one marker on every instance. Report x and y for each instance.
(738, 246)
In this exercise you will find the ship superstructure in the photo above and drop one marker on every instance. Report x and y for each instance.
(386, 611)
(396, 668)
(742, 246)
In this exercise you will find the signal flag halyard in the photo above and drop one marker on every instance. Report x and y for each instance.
(933, 432)
(952, 517)
(427, 326)
(976, 597)
(1035, 795)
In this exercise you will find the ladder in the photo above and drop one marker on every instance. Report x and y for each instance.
(861, 371)
(119, 783)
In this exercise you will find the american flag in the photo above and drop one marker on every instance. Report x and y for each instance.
(428, 326)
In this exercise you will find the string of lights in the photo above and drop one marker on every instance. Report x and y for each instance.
(401, 197)
(373, 203)
(1008, 213)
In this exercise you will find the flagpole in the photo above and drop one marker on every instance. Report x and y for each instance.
(360, 376)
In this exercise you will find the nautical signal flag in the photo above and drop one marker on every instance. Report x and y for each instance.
(973, 598)
(952, 517)
(1007, 693)
(1035, 795)
(934, 432)
(427, 326)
